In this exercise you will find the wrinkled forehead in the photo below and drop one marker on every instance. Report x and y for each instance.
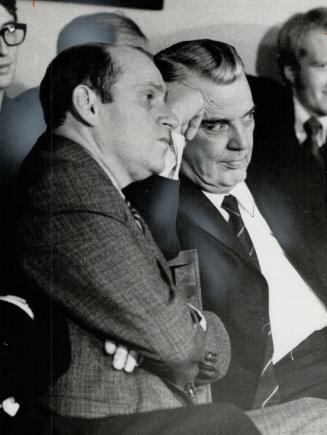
(224, 100)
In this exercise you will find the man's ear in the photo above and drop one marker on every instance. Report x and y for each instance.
(289, 74)
(85, 104)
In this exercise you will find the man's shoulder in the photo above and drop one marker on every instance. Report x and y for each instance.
(62, 172)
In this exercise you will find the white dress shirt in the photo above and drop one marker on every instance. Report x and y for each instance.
(294, 309)
(302, 115)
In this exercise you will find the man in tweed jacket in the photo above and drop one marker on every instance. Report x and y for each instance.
(79, 242)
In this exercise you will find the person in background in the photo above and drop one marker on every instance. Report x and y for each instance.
(293, 139)
(99, 27)
(107, 27)
(12, 35)
(27, 366)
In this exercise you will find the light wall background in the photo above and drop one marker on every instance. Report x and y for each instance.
(249, 25)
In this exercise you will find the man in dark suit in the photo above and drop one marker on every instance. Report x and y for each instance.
(293, 139)
(12, 35)
(82, 245)
(268, 254)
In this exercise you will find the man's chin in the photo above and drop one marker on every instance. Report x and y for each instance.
(5, 82)
(227, 184)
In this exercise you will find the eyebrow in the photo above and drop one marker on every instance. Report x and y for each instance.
(217, 120)
(159, 88)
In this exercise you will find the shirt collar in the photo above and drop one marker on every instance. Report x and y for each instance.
(241, 193)
(94, 153)
(301, 117)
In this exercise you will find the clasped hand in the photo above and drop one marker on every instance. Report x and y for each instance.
(187, 105)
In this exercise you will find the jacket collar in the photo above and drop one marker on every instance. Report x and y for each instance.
(205, 215)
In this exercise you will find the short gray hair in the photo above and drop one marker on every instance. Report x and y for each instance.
(204, 58)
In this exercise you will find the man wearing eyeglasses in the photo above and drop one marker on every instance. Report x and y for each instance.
(19, 335)
(12, 34)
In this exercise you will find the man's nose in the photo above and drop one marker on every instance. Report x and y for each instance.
(239, 139)
(3, 47)
(166, 117)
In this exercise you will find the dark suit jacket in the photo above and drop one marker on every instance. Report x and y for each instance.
(276, 150)
(231, 286)
(79, 243)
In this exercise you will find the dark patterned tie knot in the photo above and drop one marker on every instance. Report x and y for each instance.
(313, 129)
(230, 204)
(137, 217)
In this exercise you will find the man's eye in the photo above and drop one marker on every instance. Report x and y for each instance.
(214, 128)
(149, 97)
(248, 118)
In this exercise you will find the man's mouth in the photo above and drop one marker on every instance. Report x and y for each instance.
(4, 69)
(235, 164)
(165, 140)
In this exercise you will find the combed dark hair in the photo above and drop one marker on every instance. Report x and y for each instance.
(89, 64)
(205, 58)
(291, 34)
(10, 6)
(99, 27)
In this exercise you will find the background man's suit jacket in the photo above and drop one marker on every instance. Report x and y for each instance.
(276, 149)
(231, 286)
(79, 244)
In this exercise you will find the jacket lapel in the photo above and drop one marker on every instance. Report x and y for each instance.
(199, 209)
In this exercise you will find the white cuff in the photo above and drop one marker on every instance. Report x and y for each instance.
(10, 406)
(19, 302)
(202, 319)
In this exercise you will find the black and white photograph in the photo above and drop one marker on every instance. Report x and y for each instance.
(163, 217)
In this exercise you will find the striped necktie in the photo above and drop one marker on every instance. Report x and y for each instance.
(237, 225)
(313, 129)
(137, 217)
(268, 391)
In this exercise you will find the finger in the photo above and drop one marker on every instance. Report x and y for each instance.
(131, 361)
(110, 347)
(120, 358)
(194, 126)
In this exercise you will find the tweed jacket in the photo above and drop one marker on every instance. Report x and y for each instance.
(80, 244)
(231, 286)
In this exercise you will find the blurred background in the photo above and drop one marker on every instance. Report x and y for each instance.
(249, 25)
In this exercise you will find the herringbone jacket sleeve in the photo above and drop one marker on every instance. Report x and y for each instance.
(80, 245)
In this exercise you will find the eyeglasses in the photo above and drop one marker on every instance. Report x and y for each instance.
(13, 33)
